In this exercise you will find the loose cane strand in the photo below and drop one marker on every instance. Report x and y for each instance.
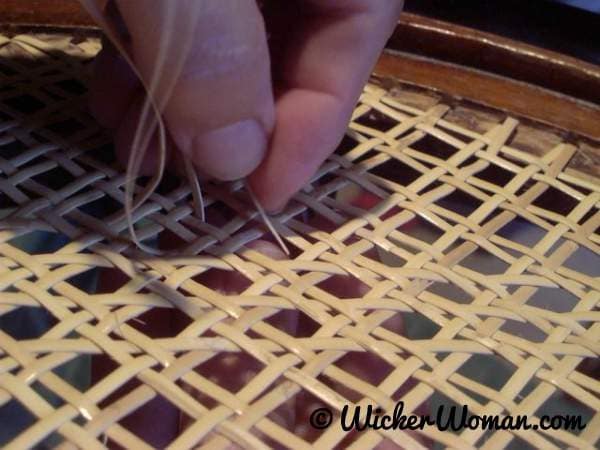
(154, 105)
(151, 104)
(267, 221)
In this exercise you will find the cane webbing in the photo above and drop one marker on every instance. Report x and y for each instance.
(469, 268)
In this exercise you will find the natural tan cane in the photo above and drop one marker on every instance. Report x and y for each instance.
(464, 181)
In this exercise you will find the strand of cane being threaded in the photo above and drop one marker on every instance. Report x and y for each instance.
(151, 121)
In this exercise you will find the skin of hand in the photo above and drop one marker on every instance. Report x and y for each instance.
(266, 91)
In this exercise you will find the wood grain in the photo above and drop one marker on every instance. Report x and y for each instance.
(44, 12)
(485, 51)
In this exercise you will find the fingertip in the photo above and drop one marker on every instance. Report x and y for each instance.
(308, 128)
(267, 193)
(231, 152)
(268, 249)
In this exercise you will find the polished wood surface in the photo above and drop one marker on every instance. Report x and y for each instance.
(472, 48)
(44, 12)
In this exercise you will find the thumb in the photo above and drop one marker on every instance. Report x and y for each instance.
(219, 103)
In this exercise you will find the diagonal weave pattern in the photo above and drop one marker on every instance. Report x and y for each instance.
(472, 270)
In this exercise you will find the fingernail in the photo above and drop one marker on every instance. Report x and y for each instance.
(277, 210)
(267, 248)
(231, 152)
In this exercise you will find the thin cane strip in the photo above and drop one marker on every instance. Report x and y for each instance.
(145, 132)
(196, 189)
(152, 103)
(477, 272)
(267, 221)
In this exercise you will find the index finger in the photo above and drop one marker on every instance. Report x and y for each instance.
(332, 49)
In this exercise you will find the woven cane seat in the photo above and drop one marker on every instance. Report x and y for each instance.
(467, 251)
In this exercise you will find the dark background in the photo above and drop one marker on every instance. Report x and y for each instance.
(544, 23)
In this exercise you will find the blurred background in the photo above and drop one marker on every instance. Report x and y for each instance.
(567, 26)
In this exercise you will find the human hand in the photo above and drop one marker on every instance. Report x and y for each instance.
(264, 93)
